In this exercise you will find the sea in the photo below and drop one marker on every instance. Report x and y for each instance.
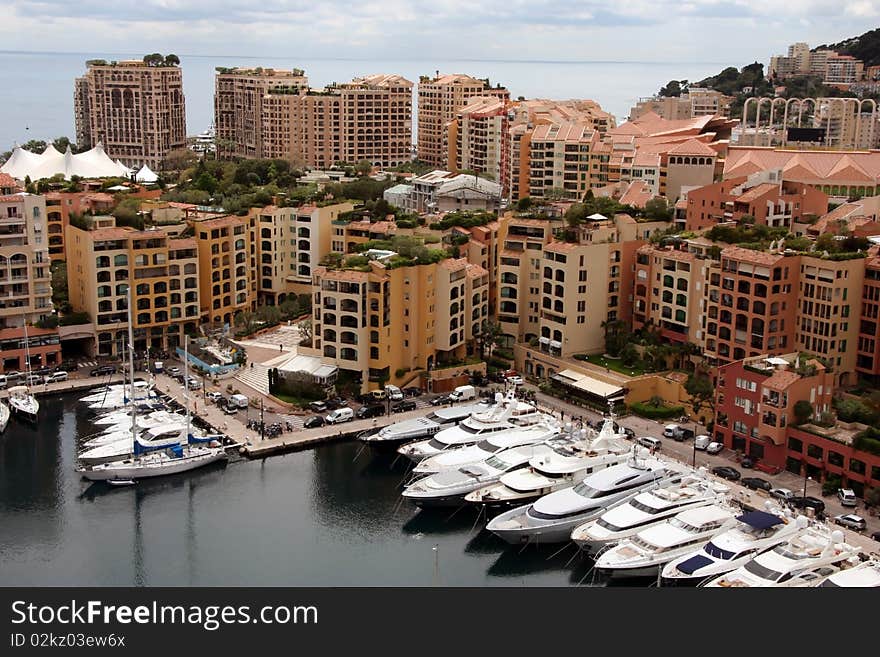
(330, 516)
(38, 86)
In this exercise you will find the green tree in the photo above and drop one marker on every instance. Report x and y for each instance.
(701, 391)
(363, 167)
(172, 60)
(803, 411)
(658, 209)
(576, 215)
(305, 332)
(245, 320)
(524, 204)
(617, 336)
(488, 338)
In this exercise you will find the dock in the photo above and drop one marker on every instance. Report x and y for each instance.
(71, 385)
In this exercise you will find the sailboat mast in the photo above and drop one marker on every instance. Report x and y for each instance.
(131, 371)
(27, 354)
(186, 381)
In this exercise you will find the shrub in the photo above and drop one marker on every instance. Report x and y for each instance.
(648, 410)
(400, 372)
(500, 363)
(506, 354)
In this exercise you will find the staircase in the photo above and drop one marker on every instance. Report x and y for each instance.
(256, 377)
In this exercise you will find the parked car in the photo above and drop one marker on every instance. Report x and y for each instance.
(516, 380)
(440, 400)
(230, 409)
(318, 406)
(335, 402)
(406, 405)
(714, 448)
(747, 462)
(412, 391)
(851, 521)
(702, 441)
(314, 421)
(214, 396)
(55, 377)
(67, 366)
(373, 410)
(801, 502)
(394, 393)
(782, 494)
(876, 536)
(756, 483)
(173, 371)
(103, 370)
(34, 379)
(193, 383)
(650, 442)
(726, 472)
(847, 497)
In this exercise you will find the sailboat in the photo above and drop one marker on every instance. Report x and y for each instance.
(156, 460)
(21, 401)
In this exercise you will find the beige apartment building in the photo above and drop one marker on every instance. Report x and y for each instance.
(25, 280)
(290, 243)
(369, 118)
(477, 138)
(696, 101)
(385, 322)
(239, 112)
(228, 271)
(136, 111)
(440, 98)
(163, 272)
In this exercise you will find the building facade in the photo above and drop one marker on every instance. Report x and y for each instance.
(135, 110)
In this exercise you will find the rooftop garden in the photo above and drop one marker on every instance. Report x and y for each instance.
(464, 219)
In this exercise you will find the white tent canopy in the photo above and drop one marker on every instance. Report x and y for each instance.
(145, 175)
(92, 164)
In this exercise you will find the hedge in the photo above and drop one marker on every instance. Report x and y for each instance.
(498, 362)
(644, 409)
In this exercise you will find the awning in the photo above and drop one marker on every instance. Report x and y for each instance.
(588, 384)
(689, 566)
(760, 519)
(555, 344)
(544, 340)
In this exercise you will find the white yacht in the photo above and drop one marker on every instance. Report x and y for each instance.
(552, 518)
(574, 456)
(507, 413)
(646, 510)
(865, 575)
(645, 553)
(807, 558)
(164, 435)
(407, 431)
(23, 404)
(119, 432)
(124, 416)
(755, 532)
(494, 443)
(4, 416)
(449, 487)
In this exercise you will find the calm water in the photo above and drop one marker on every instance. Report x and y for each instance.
(314, 518)
(38, 87)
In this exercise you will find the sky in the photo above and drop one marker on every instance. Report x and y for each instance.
(724, 31)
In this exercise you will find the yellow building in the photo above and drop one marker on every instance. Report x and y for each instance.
(164, 272)
(384, 321)
(228, 273)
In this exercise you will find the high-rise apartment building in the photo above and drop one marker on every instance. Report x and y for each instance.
(477, 138)
(239, 113)
(440, 98)
(276, 115)
(164, 274)
(384, 321)
(136, 110)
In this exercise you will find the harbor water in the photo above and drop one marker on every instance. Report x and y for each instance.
(331, 516)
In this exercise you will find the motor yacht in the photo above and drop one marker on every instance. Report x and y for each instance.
(646, 510)
(506, 414)
(575, 455)
(494, 443)
(4, 416)
(124, 416)
(448, 488)
(645, 553)
(398, 433)
(755, 532)
(865, 575)
(119, 432)
(552, 518)
(807, 558)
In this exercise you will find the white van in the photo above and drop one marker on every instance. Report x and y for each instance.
(650, 442)
(238, 401)
(340, 415)
(702, 441)
(3, 381)
(463, 392)
(394, 393)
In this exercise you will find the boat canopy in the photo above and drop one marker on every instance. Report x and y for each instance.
(690, 566)
(760, 519)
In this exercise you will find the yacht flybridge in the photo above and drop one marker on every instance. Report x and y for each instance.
(506, 414)
(645, 510)
(574, 455)
(552, 518)
(807, 558)
(754, 533)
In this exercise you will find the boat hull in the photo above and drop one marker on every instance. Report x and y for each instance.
(630, 572)
(453, 500)
(4, 417)
(131, 470)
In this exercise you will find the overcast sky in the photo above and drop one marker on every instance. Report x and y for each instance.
(725, 31)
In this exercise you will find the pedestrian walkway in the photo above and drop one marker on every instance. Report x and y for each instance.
(255, 376)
